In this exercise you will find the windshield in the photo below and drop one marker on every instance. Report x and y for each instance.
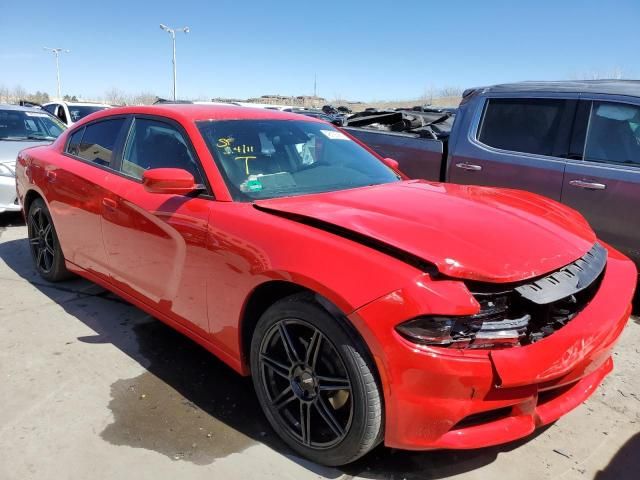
(28, 125)
(276, 158)
(76, 112)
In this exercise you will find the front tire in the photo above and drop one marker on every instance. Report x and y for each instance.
(44, 244)
(315, 382)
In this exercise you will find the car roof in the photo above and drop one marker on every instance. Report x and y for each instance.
(193, 112)
(611, 87)
(6, 106)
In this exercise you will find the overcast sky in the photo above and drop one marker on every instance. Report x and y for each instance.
(361, 50)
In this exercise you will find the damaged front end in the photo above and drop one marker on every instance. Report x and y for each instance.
(516, 314)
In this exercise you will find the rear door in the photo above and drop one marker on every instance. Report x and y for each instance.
(77, 182)
(156, 243)
(603, 179)
(515, 142)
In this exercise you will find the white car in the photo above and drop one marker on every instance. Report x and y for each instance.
(20, 128)
(70, 112)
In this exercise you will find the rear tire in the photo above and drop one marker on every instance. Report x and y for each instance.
(315, 382)
(44, 244)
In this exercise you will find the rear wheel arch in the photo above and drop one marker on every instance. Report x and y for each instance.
(29, 197)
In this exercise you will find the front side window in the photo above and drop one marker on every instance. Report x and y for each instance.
(99, 140)
(28, 125)
(276, 158)
(154, 144)
(613, 134)
(521, 125)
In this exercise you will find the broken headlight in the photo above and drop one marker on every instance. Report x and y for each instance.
(489, 328)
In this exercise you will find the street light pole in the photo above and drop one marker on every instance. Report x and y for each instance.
(57, 52)
(172, 32)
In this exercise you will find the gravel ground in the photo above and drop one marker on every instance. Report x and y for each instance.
(94, 388)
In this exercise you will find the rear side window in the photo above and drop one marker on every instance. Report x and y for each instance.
(521, 125)
(99, 140)
(73, 145)
(613, 134)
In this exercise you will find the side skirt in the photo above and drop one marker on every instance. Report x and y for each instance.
(233, 362)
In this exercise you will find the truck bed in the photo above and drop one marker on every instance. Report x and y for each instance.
(418, 157)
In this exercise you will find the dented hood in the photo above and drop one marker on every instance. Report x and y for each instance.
(475, 233)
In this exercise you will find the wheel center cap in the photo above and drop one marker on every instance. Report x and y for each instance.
(304, 383)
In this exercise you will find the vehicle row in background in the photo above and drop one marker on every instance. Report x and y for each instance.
(70, 112)
(20, 128)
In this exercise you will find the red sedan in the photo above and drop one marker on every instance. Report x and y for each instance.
(365, 307)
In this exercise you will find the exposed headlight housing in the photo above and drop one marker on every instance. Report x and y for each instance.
(490, 328)
(515, 314)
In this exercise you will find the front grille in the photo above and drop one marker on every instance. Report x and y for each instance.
(530, 311)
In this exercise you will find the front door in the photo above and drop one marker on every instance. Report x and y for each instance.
(605, 184)
(157, 243)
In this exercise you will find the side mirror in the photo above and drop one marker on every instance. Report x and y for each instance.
(174, 181)
(391, 163)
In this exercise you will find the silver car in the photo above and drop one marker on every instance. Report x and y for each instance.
(20, 128)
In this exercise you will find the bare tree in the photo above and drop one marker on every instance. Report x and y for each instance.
(115, 96)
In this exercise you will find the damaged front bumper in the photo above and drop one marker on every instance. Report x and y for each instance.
(455, 398)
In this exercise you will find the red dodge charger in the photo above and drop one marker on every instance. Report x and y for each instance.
(366, 307)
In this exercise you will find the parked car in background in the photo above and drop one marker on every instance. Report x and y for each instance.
(575, 142)
(70, 112)
(366, 307)
(20, 128)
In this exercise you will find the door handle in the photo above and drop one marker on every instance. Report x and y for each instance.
(109, 203)
(470, 167)
(588, 185)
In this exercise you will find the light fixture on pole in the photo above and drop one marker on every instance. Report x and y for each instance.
(172, 32)
(57, 52)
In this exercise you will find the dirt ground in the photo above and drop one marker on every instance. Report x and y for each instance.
(94, 388)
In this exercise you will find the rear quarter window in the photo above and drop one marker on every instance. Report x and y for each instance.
(73, 145)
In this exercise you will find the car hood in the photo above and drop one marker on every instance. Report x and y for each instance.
(475, 233)
(9, 149)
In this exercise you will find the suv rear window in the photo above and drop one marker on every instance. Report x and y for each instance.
(521, 125)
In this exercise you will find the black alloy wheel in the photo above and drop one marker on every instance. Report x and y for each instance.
(306, 382)
(315, 382)
(43, 243)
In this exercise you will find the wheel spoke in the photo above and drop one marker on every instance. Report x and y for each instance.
(275, 365)
(46, 232)
(288, 344)
(333, 383)
(34, 225)
(305, 422)
(40, 258)
(313, 349)
(40, 220)
(34, 241)
(284, 398)
(328, 416)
